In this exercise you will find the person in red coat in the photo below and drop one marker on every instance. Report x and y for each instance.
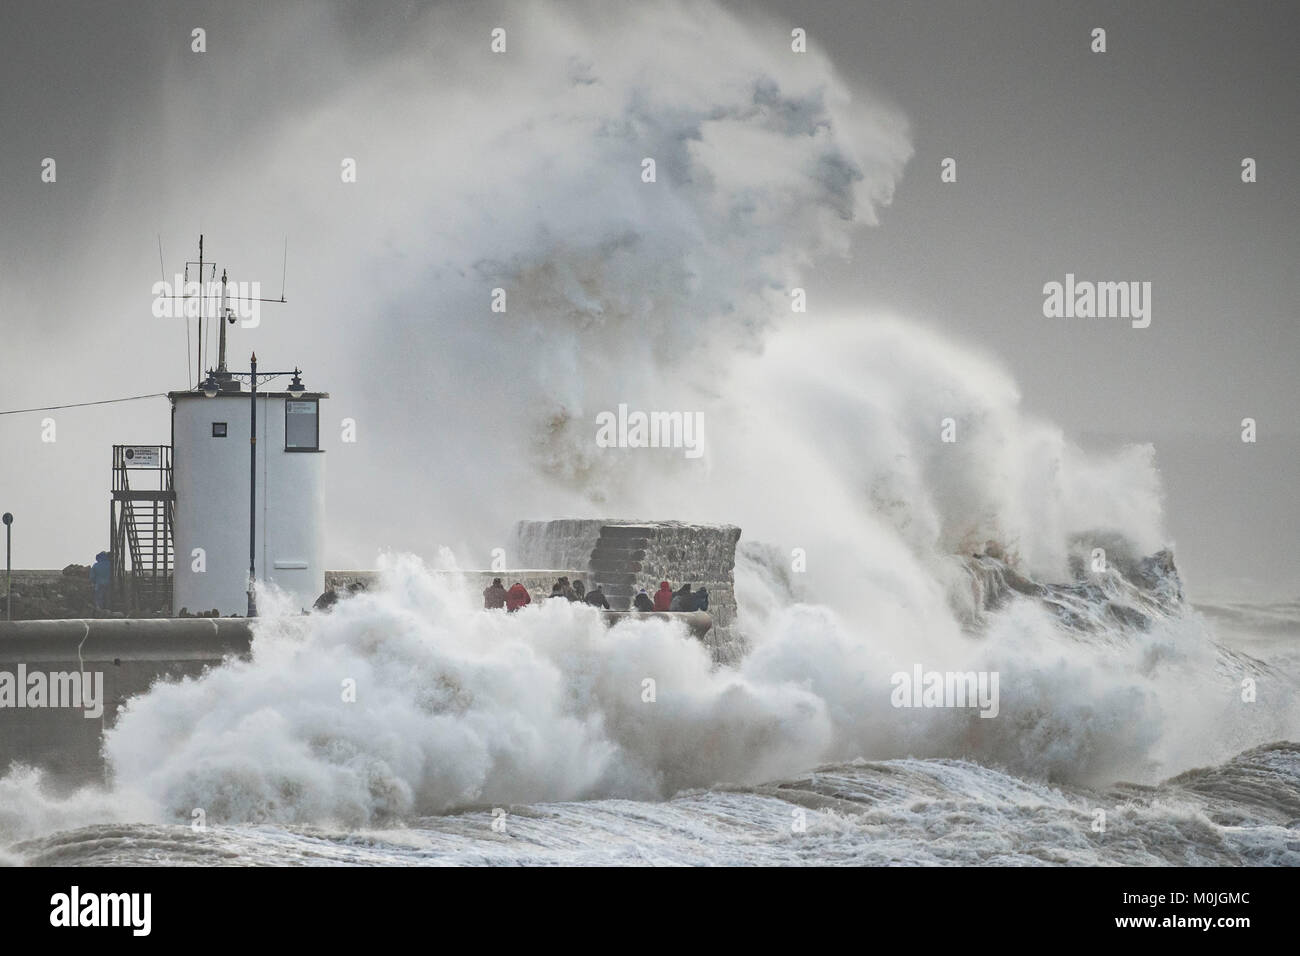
(663, 597)
(517, 597)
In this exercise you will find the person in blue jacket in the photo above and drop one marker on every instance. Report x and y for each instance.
(101, 575)
(700, 599)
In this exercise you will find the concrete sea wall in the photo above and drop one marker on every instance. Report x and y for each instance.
(120, 657)
(102, 662)
(63, 683)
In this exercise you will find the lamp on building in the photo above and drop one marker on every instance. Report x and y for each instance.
(295, 385)
(210, 386)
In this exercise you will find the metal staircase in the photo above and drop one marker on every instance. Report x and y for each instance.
(141, 518)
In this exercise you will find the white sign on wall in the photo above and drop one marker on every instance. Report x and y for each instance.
(142, 456)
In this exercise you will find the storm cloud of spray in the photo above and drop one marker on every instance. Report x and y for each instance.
(672, 295)
(531, 179)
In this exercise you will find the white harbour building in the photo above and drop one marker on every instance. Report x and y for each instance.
(212, 457)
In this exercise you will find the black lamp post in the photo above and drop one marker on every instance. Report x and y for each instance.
(252, 488)
(9, 577)
(211, 389)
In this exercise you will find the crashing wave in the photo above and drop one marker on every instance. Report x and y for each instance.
(1113, 589)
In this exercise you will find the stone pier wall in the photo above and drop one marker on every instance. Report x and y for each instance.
(538, 581)
(624, 555)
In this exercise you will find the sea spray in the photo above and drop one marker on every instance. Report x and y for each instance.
(457, 707)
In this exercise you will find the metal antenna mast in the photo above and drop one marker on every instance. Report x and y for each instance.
(225, 314)
(222, 312)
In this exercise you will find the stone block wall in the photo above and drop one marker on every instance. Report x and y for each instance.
(538, 581)
(624, 555)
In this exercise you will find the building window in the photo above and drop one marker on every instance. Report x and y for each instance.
(302, 425)
(218, 429)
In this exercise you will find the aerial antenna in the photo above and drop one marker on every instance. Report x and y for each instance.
(206, 275)
(203, 265)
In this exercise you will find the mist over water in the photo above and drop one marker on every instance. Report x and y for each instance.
(458, 711)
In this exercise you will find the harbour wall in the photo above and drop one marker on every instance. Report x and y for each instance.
(123, 657)
(538, 583)
(64, 682)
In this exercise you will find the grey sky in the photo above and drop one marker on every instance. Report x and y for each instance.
(1123, 165)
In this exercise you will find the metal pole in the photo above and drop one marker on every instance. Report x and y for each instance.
(200, 356)
(252, 491)
(221, 321)
(9, 575)
(112, 560)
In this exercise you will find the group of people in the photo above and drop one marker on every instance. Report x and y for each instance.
(666, 599)
(577, 591)
(496, 596)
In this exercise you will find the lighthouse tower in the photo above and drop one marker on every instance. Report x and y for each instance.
(247, 488)
(237, 501)
(233, 492)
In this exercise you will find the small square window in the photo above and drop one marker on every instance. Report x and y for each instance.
(218, 429)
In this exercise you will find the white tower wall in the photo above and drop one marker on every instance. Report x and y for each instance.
(210, 476)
